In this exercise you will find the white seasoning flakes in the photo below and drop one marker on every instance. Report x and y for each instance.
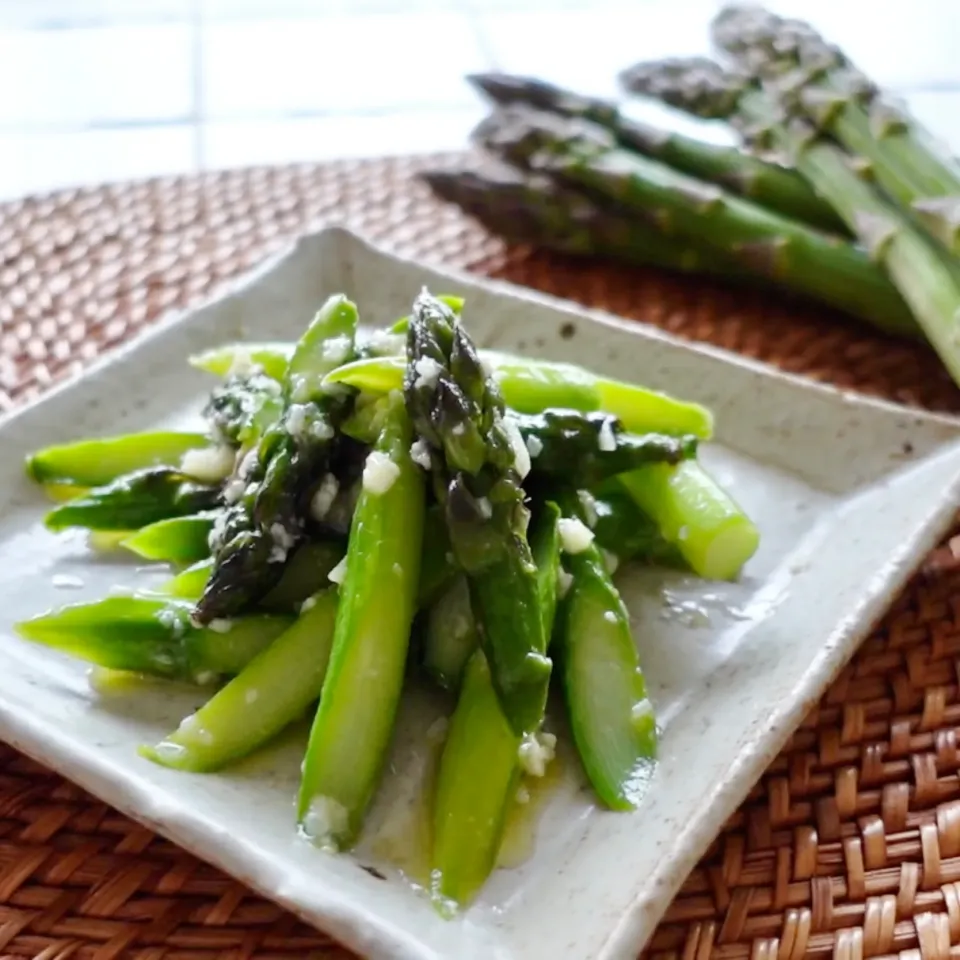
(379, 473)
(428, 373)
(337, 349)
(325, 822)
(66, 581)
(610, 616)
(486, 368)
(192, 728)
(220, 625)
(320, 429)
(521, 455)
(589, 504)
(607, 441)
(339, 573)
(536, 751)
(173, 621)
(575, 537)
(204, 678)
(208, 464)
(438, 730)
(233, 491)
(611, 561)
(296, 422)
(248, 464)
(251, 696)
(564, 582)
(322, 500)
(683, 533)
(420, 454)
(523, 795)
(241, 364)
(534, 446)
(485, 507)
(308, 604)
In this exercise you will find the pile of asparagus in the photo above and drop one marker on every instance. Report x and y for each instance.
(835, 194)
(363, 507)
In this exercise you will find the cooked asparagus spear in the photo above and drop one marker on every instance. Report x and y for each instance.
(269, 693)
(177, 540)
(532, 386)
(526, 207)
(816, 79)
(378, 594)
(268, 519)
(481, 761)
(244, 408)
(478, 462)
(94, 463)
(449, 635)
(135, 500)
(694, 514)
(797, 256)
(610, 716)
(141, 634)
(770, 185)
(928, 282)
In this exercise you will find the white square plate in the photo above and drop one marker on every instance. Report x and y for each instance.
(849, 493)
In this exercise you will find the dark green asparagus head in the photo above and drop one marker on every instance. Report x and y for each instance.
(243, 407)
(696, 85)
(529, 138)
(505, 90)
(457, 410)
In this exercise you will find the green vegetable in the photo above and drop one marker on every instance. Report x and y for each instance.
(794, 255)
(153, 636)
(272, 691)
(273, 357)
(458, 414)
(135, 500)
(450, 635)
(621, 528)
(711, 532)
(768, 184)
(532, 386)
(354, 722)
(606, 696)
(177, 540)
(266, 523)
(94, 463)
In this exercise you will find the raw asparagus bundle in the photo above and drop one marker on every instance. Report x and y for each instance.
(459, 519)
(927, 279)
(808, 261)
(768, 184)
(815, 79)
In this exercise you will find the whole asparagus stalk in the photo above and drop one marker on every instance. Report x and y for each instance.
(525, 207)
(808, 261)
(928, 282)
(769, 184)
(478, 462)
(818, 80)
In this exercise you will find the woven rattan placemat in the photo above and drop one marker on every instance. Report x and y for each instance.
(850, 844)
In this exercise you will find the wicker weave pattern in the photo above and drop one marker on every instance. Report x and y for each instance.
(849, 846)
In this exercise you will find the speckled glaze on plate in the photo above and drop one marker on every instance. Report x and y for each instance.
(849, 494)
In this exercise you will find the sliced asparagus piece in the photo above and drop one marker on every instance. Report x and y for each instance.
(267, 522)
(177, 540)
(354, 722)
(141, 634)
(610, 716)
(270, 693)
(477, 467)
(929, 283)
(271, 356)
(531, 386)
(815, 78)
(480, 765)
(796, 256)
(450, 635)
(769, 184)
(135, 500)
(95, 463)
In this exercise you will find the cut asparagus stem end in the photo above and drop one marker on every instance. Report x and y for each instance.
(270, 693)
(647, 411)
(712, 533)
(93, 463)
(476, 780)
(178, 540)
(63, 492)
